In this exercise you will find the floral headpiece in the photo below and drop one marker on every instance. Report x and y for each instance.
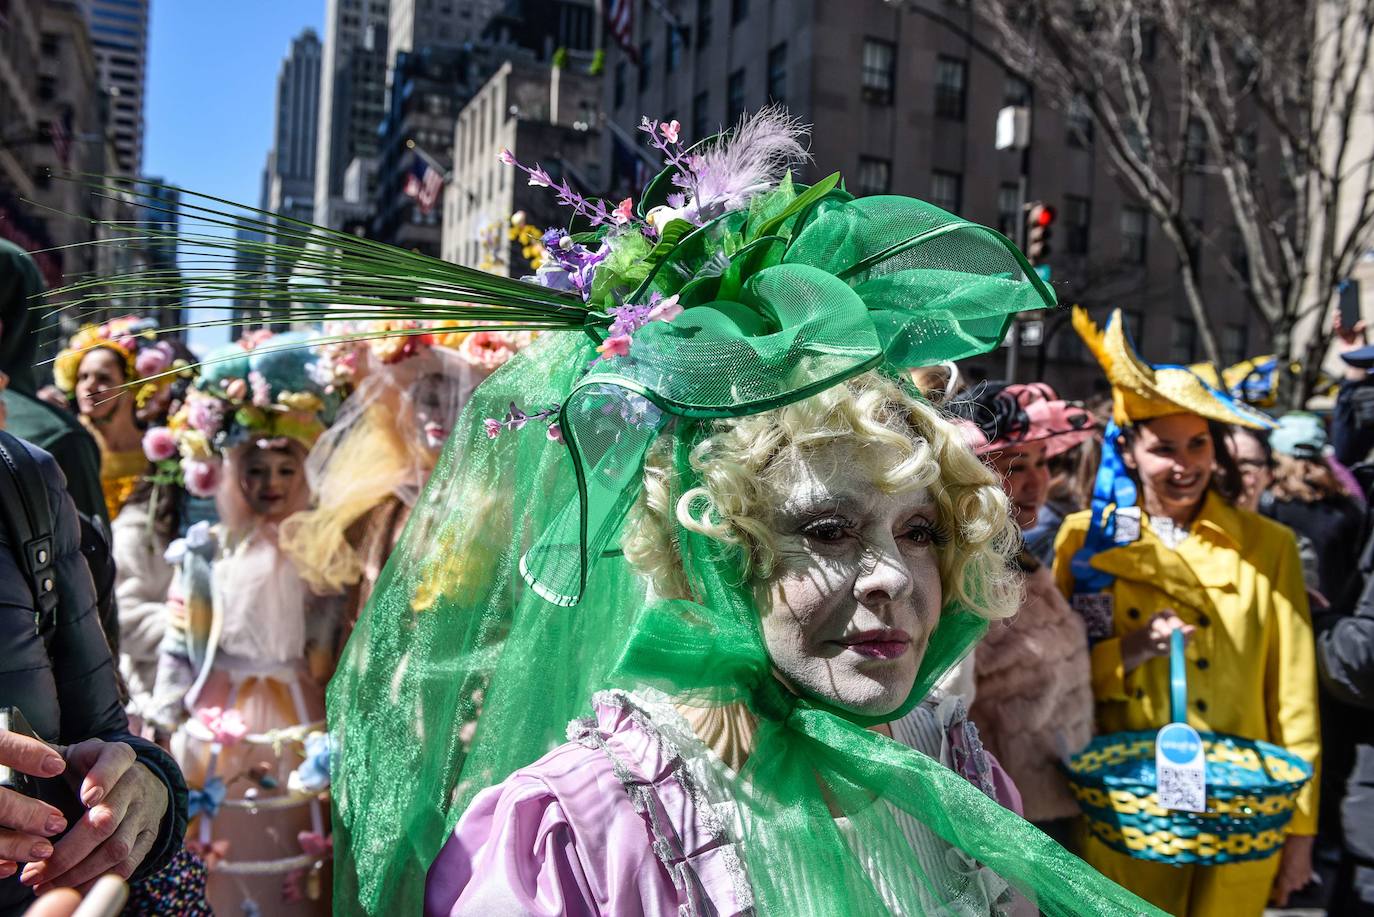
(262, 388)
(1009, 415)
(134, 339)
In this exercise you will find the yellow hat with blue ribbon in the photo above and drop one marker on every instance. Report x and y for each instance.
(1144, 391)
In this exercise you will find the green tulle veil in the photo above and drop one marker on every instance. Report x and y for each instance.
(508, 602)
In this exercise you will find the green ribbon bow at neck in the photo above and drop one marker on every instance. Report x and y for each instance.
(781, 301)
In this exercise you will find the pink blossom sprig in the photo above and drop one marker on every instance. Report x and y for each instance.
(664, 137)
(516, 419)
(626, 320)
(595, 210)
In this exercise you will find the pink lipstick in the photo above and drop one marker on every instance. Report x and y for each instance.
(880, 643)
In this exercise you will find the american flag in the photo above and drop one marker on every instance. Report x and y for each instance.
(424, 184)
(620, 22)
(60, 129)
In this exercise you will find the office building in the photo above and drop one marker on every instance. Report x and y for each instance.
(119, 36)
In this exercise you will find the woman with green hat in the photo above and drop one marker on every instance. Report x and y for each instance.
(716, 514)
(720, 522)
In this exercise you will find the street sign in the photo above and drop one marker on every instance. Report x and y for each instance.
(1032, 332)
(1013, 128)
(1044, 271)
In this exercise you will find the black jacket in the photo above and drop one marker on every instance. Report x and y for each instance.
(64, 682)
(1345, 658)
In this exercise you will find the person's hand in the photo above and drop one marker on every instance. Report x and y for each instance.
(54, 396)
(1348, 339)
(124, 804)
(1140, 646)
(1295, 868)
(26, 824)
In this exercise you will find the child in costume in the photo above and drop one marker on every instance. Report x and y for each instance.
(722, 364)
(1033, 699)
(1186, 558)
(369, 468)
(240, 680)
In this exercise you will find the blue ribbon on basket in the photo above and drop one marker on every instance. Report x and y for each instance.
(206, 800)
(1178, 679)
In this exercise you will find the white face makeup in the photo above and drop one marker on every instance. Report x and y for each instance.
(856, 591)
(431, 397)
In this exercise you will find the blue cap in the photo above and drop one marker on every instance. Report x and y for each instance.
(1360, 359)
(1299, 434)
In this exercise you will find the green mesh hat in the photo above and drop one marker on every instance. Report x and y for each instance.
(728, 291)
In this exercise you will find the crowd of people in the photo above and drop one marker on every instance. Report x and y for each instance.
(306, 620)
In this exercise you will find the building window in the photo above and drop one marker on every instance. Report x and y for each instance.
(879, 62)
(1240, 258)
(1247, 147)
(47, 88)
(1234, 343)
(734, 97)
(673, 42)
(1008, 209)
(1015, 91)
(1183, 343)
(1078, 121)
(701, 128)
(738, 10)
(1133, 234)
(619, 82)
(875, 176)
(703, 23)
(947, 190)
(1195, 143)
(48, 44)
(950, 78)
(1149, 41)
(777, 74)
(1077, 214)
(646, 63)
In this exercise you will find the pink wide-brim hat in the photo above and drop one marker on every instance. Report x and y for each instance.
(1044, 417)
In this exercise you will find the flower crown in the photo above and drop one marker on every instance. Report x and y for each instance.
(134, 339)
(261, 389)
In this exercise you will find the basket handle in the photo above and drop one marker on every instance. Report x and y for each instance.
(1178, 679)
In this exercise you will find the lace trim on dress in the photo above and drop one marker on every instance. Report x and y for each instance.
(659, 720)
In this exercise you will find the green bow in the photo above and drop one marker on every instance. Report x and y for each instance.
(796, 294)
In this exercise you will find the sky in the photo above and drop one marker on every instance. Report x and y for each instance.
(212, 76)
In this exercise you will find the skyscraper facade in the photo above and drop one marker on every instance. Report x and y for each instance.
(119, 37)
(419, 24)
(291, 166)
(352, 100)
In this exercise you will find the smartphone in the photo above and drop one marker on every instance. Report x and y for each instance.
(1350, 303)
(12, 720)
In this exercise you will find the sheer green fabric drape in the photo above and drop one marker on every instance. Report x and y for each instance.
(508, 602)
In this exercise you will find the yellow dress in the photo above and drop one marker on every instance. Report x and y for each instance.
(120, 472)
(1252, 672)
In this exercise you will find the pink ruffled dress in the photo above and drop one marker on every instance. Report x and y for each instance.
(626, 818)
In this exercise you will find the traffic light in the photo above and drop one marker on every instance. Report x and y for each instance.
(1039, 221)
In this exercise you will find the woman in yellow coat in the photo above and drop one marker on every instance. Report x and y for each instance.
(1187, 559)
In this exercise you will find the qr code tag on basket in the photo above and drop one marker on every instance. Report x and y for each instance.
(1180, 769)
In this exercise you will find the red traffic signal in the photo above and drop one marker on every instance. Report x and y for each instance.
(1039, 220)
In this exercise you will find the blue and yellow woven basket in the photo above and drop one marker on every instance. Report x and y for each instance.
(1251, 789)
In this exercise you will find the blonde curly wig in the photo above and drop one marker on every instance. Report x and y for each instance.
(743, 461)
